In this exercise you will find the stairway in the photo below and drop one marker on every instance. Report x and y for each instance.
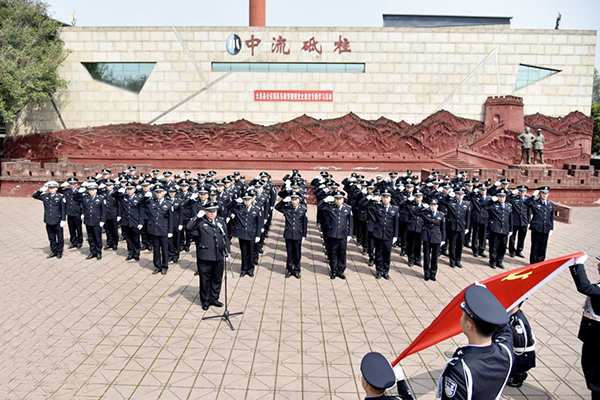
(459, 163)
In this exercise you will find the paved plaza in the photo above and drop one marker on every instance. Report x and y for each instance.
(73, 328)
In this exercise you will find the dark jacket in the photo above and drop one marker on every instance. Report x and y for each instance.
(130, 209)
(434, 228)
(523, 342)
(500, 217)
(73, 207)
(386, 224)
(246, 224)
(542, 216)
(159, 216)
(212, 238)
(521, 213)
(338, 222)
(296, 221)
(93, 208)
(589, 329)
(458, 217)
(55, 207)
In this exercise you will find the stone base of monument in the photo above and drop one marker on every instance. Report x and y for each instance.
(528, 167)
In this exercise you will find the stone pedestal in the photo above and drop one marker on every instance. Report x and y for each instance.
(529, 167)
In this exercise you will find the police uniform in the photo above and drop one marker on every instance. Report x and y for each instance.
(55, 215)
(458, 220)
(378, 373)
(73, 213)
(177, 210)
(479, 221)
(337, 228)
(385, 232)
(414, 226)
(521, 218)
(296, 228)
(211, 250)
(159, 215)
(500, 227)
(110, 227)
(247, 224)
(589, 329)
(432, 235)
(129, 213)
(94, 217)
(541, 225)
(480, 372)
(523, 348)
(146, 238)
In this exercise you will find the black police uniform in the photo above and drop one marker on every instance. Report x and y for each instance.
(338, 224)
(175, 241)
(94, 213)
(247, 223)
(479, 221)
(523, 348)
(589, 329)
(432, 235)
(263, 201)
(146, 238)
(296, 228)
(542, 222)
(160, 224)
(212, 246)
(521, 218)
(414, 226)
(73, 217)
(55, 211)
(385, 230)
(111, 227)
(500, 226)
(458, 220)
(186, 216)
(130, 210)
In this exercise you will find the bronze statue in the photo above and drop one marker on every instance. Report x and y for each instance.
(538, 147)
(526, 138)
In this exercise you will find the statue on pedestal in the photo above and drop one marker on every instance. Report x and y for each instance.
(538, 147)
(526, 138)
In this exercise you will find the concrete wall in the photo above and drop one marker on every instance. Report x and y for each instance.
(410, 73)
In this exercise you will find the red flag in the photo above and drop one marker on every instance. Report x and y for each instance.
(510, 287)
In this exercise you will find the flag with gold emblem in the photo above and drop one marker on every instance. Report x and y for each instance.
(510, 287)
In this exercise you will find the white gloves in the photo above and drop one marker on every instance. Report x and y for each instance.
(466, 231)
(376, 198)
(369, 197)
(101, 186)
(411, 198)
(420, 205)
(179, 227)
(535, 194)
(232, 216)
(239, 200)
(262, 230)
(148, 194)
(122, 190)
(394, 240)
(425, 205)
(98, 176)
(287, 199)
(509, 233)
(101, 224)
(257, 239)
(194, 196)
(476, 190)
(43, 188)
(494, 198)
(85, 184)
(328, 199)
(138, 187)
(550, 233)
(364, 191)
(349, 237)
(200, 214)
(118, 219)
(443, 242)
(497, 183)
(399, 372)
(227, 220)
(440, 189)
(169, 235)
(451, 194)
(140, 227)
(62, 224)
(65, 184)
(515, 192)
(82, 217)
(582, 259)
(81, 190)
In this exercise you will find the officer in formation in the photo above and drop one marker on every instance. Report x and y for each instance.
(523, 347)
(68, 189)
(541, 223)
(433, 236)
(521, 217)
(107, 189)
(160, 216)
(296, 228)
(385, 231)
(93, 208)
(247, 225)
(337, 225)
(55, 215)
(130, 210)
(212, 251)
(589, 329)
(481, 369)
(501, 227)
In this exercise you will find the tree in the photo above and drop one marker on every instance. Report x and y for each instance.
(30, 52)
(596, 88)
(596, 135)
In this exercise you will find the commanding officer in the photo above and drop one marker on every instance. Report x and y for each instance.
(500, 227)
(211, 252)
(94, 217)
(589, 329)
(129, 214)
(69, 189)
(542, 223)
(338, 224)
(480, 369)
(111, 226)
(458, 221)
(55, 215)
(385, 232)
(521, 218)
(296, 228)
(433, 236)
(377, 375)
(247, 224)
(160, 227)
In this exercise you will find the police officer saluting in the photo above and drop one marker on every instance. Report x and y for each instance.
(55, 215)
(433, 236)
(458, 221)
(296, 228)
(500, 227)
(542, 223)
(94, 217)
(385, 232)
(130, 215)
(211, 251)
(160, 228)
(337, 228)
(111, 226)
(69, 189)
(520, 221)
(247, 224)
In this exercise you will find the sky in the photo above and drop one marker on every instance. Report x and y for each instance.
(527, 14)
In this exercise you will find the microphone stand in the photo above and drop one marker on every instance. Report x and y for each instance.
(226, 314)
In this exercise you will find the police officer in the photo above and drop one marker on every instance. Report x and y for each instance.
(479, 220)
(247, 224)
(94, 217)
(55, 215)
(337, 229)
(523, 347)
(521, 218)
(500, 227)
(385, 232)
(177, 211)
(296, 228)
(212, 251)
(413, 206)
(481, 369)
(159, 215)
(146, 238)
(129, 214)
(589, 329)
(433, 236)
(542, 223)
(186, 213)
(377, 375)
(458, 221)
(69, 189)
(107, 190)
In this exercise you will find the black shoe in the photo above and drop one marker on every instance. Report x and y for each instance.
(163, 271)
(251, 274)
(459, 265)
(175, 260)
(72, 246)
(386, 276)
(341, 275)
(482, 254)
(371, 263)
(261, 251)
(288, 274)
(332, 275)
(444, 253)
(378, 275)
(242, 274)
(492, 265)
(205, 307)
(187, 249)
(107, 247)
(432, 278)
(418, 264)
(500, 265)
(129, 258)
(426, 277)
(59, 255)
(156, 271)
(452, 265)
(402, 253)
(410, 264)
(475, 255)
(51, 255)
(512, 255)
(216, 303)
(198, 273)
(144, 247)
(79, 246)
(99, 257)
(297, 275)
(136, 258)
(114, 247)
(520, 255)
(89, 257)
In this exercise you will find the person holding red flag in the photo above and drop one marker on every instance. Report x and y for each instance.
(481, 369)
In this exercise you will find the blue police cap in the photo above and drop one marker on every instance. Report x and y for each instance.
(481, 304)
(377, 371)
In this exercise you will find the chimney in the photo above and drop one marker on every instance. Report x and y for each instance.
(257, 12)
